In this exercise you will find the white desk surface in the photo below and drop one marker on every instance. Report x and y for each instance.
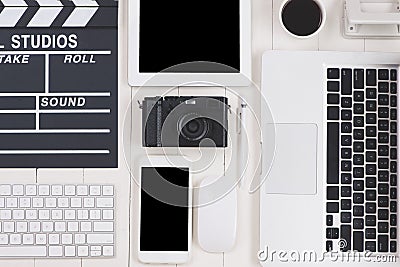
(267, 34)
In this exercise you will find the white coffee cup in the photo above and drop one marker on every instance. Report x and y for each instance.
(312, 4)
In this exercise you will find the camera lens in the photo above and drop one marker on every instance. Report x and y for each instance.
(193, 128)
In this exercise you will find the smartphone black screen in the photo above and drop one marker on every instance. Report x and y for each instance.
(163, 226)
(176, 32)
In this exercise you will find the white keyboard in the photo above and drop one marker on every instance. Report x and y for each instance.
(42, 220)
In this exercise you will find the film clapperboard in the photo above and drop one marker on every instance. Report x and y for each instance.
(58, 83)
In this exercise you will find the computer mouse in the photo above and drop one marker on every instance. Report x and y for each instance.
(217, 221)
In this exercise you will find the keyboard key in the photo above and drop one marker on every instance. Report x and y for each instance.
(393, 233)
(358, 172)
(332, 207)
(358, 134)
(346, 165)
(332, 153)
(383, 214)
(393, 206)
(345, 217)
(371, 93)
(358, 223)
(333, 86)
(383, 87)
(346, 178)
(358, 198)
(358, 241)
(371, 77)
(370, 220)
(370, 208)
(358, 211)
(383, 243)
(370, 182)
(370, 233)
(370, 105)
(383, 189)
(345, 234)
(358, 121)
(383, 201)
(371, 195)
(333, 73)
(383, 100)
(359, 79)
(370, 131)
(393, 88)
(346, 191)
(358, 147)
(358, 96)
(347, 102)
(370, 246)
(345, 205)
(393, 220)
(371, 118)
(393, 75)
(358, 185)
(371, 143)
(383, 74)
(333, 99)
(393, 193)
(393, 179)
(383, 227)
(346, 82)
(383, 125)
(346, 127)
(383, 176)
(393, 246)
(346, 115)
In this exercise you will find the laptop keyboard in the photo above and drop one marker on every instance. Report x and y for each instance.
(361, 170)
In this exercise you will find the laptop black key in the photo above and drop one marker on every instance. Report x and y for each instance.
(383, 74)
(370, 246)
(358, 241)
(346, 140)
(393, 233)
(333, 73)
(393, 246)
(358, 223)
(371, 195)
(393, 88)
(371, 77)
(383, 227)
(333, 99)
(345, 234)
(359, 79)
(383, 243)
(371, 93)
(383, 87)
(393, 75)
(362, 151)
(347, 83)
(370, 233)
(345, 217)
(383, 214)
(370, 220)
(329, 220)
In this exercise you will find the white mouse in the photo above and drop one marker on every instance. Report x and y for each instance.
(216, 221)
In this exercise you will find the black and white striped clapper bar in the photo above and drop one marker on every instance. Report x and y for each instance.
(59, 83)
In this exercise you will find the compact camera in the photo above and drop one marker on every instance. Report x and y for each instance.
(185, 121)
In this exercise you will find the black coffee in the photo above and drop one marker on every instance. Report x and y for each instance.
(302, 17)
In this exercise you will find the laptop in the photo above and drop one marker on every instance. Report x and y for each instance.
(330, 194)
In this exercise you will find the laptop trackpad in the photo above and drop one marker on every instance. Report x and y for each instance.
(294, 170)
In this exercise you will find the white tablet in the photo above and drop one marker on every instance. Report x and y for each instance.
(176, 42)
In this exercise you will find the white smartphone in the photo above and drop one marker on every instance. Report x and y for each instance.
(165, 215)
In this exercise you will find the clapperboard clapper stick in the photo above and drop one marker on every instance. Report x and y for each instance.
(58, 83)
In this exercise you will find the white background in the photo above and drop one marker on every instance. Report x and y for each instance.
(267, 34)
